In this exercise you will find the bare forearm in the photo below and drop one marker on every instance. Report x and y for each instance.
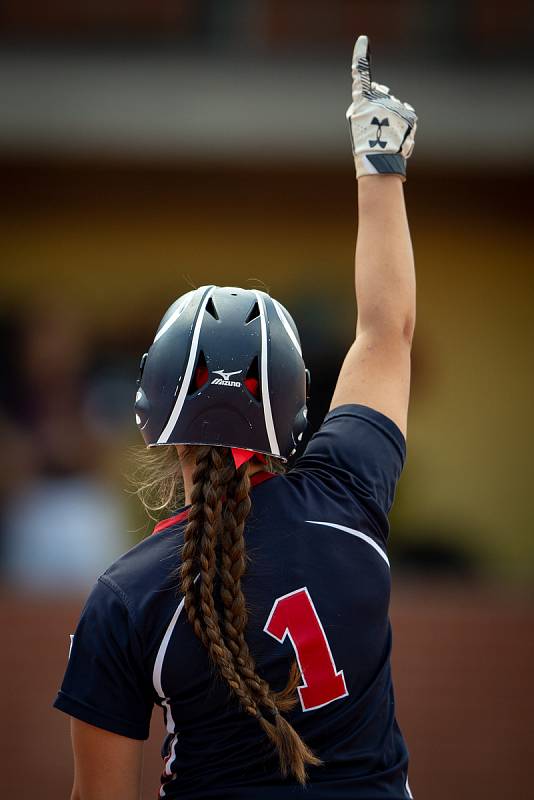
(376, 370)
(385, 275)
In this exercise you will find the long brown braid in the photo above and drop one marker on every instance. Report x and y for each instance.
(232, 569)
(214, 547)
(199, 556)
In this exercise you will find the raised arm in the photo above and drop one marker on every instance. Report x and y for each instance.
(376, 370)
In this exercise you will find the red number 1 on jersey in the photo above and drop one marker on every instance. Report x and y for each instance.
(294, 615)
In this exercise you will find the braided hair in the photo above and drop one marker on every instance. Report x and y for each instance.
(214, 550)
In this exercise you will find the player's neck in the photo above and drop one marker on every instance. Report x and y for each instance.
(187, 473)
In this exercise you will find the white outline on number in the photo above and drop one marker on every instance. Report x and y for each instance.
(288, 633)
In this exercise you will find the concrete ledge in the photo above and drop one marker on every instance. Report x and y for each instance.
(167, 104)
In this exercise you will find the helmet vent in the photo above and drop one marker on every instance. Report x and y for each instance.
(252, 380)
(200, 375)
(254, 313)
(210, 309)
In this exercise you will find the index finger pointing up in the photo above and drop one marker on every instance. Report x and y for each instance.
(361, 67)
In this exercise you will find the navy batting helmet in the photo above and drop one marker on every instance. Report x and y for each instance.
(225, 369)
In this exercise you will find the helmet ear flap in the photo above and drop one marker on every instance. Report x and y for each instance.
(141, 407)
(141, 369)
(301, 420)
(299, 427)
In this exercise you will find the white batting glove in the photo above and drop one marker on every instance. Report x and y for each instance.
(382, 128)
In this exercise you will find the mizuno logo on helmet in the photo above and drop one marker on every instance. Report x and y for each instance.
(224, 380)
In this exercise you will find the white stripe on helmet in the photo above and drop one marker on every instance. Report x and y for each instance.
(264, 373)
(175, 413)
(172, 319)
(285, 322)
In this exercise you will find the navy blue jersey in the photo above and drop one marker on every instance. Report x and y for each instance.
(317, 588)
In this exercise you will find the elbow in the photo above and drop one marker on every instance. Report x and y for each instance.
(75, 793)
(394, 329)
(408, 329)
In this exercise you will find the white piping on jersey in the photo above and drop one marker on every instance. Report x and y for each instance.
(172, 319)
(158, 664)
(267, 411)
(168, 763)
(156, 680)
(353, 532)
(175, 413)
(285, 322)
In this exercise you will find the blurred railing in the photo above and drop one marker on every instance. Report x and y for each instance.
(465, 29)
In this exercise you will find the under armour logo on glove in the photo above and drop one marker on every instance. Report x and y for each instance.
(377, 151)
(379, 125)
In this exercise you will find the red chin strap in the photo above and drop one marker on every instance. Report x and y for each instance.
(240, 456)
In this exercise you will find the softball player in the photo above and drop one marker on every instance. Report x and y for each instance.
(257, 616)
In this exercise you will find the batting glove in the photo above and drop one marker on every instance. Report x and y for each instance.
(382, 128)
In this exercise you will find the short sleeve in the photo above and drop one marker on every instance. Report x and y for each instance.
(360, 447)
(105, 683)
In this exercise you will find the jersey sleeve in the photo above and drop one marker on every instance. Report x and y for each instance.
(105, 683)
(363, 449)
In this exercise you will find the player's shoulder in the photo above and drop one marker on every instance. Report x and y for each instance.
(358, 450)
(151, 566)
(148, 572)
(352, 425)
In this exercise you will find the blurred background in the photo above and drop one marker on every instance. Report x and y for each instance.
(150, 146)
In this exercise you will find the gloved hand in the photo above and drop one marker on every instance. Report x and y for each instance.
(382, 128)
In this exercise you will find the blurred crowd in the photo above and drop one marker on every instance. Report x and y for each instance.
(120, 122)
(63, 412)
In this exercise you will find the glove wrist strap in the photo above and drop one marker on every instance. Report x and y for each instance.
(380, 164)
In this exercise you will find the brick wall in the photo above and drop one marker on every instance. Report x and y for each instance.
(463, 660)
